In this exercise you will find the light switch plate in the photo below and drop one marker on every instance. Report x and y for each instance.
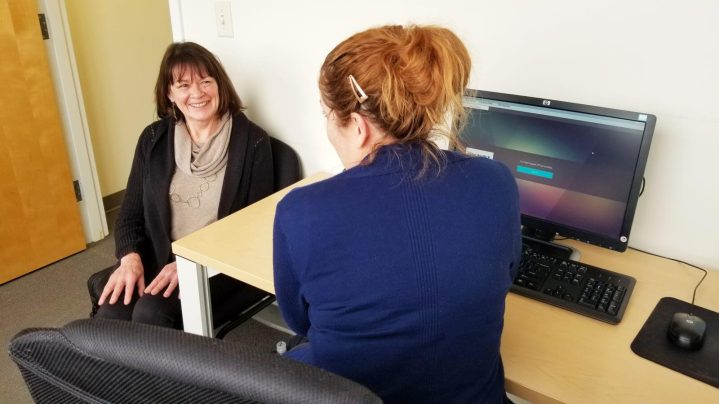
(223, 17)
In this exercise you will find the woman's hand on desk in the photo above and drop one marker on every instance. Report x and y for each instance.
(124, 279)
(167, 278)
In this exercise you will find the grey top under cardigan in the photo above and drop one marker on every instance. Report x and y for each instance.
(196, 185)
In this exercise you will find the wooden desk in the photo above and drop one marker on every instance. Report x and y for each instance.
(239, 245)
(550, 354)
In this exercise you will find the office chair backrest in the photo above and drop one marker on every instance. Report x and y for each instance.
(286, 164)
(287, 171)
(121, 362)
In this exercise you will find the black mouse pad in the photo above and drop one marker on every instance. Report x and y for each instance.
(652, 342)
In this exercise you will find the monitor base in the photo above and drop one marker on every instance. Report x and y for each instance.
(550, 248)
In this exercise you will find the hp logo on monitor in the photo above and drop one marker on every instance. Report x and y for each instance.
(546, 103)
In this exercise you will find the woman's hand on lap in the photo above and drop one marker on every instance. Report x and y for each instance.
(128, 275)
(166, 279)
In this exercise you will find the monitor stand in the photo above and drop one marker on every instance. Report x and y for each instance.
(542, 241)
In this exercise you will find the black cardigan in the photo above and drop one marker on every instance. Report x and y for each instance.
(143, 224)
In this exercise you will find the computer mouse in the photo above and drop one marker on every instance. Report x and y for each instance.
(687, 331)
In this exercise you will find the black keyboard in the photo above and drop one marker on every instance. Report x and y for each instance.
(581, 288)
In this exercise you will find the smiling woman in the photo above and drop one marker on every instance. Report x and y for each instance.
(200, 162)
(193, 88)
(196, 98)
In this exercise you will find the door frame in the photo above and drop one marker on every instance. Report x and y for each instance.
(63, 67)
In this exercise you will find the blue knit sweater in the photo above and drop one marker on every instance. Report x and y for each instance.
(400, 283)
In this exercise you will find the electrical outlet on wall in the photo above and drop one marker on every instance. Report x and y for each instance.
(223, 17)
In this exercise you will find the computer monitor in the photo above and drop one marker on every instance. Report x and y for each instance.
(579, 168)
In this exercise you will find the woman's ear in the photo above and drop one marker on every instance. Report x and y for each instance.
(360, 130)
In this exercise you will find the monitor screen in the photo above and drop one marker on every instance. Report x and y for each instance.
(579, 168)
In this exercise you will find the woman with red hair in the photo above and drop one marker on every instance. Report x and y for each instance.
(396, 269)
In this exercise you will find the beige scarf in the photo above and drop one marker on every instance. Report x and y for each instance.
(206, 159)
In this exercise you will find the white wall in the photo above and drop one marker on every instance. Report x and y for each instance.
(659, 57)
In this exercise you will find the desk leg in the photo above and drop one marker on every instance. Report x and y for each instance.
(194, 297)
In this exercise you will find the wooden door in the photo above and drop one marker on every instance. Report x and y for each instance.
(39, 217)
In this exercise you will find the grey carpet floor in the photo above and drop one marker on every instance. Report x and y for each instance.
(57, 294)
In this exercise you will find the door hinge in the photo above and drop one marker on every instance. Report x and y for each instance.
(43, 27)
(78, 192)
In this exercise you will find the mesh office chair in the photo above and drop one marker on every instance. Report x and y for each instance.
(287, 171)
(94, 361)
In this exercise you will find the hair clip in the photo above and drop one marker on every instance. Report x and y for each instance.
(357, 90)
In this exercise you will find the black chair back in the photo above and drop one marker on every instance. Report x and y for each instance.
(93, 361)
(286, 164)
(287, 171)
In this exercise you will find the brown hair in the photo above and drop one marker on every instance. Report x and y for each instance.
(414, 78)
(189, 55)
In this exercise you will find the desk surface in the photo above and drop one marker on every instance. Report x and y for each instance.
(549, 354)
(240, 245)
